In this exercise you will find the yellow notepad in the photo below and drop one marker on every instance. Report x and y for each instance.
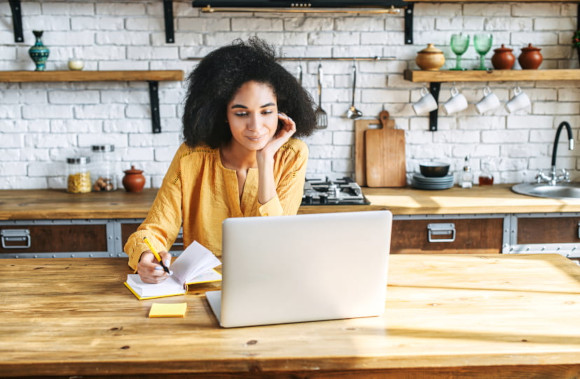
(168, 310)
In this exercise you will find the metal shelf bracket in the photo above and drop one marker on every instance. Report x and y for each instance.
(17, 20)
(434, 88)
(168, 14)
(154, 99)
(409, 10)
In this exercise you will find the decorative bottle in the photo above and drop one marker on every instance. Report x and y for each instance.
(39, 53)
(466, 180)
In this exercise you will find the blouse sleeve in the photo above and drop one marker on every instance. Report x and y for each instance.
(161, 226)
(291, 186)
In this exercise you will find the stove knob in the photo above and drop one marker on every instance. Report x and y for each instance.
(323, 198)
(308, 199)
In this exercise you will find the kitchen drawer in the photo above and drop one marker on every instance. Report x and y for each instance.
(68, 238)
(128, 228)
(449, 236)
(544, 230)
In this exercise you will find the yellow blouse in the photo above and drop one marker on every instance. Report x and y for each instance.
(198, 190)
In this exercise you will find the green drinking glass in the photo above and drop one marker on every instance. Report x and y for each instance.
(482, 43)
(459, 45)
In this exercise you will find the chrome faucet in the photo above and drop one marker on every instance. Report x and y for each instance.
(564, 175)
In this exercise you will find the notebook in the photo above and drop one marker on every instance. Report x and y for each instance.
(195, 265)
(288, 269)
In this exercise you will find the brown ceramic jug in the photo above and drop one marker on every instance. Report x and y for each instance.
(430, 58)
(503, 59)
(133, 181)
(530, 58)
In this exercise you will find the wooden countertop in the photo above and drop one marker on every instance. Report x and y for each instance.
(446, 316)
(58, 204)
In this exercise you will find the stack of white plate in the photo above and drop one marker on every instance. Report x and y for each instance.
(432, 183)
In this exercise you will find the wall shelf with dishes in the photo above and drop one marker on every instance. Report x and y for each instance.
(152, 77)
(435, 78)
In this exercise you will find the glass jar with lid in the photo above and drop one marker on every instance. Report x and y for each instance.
(104, 178)
(78, 175)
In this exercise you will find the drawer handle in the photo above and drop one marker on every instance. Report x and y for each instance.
(441, 230)
(15, 235)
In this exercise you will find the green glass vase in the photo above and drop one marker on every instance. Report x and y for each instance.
(39, 53)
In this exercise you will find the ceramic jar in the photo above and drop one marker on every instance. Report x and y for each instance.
(503, 59)
(430, 58)
(133, 181)
(39, 53)
(530, 58)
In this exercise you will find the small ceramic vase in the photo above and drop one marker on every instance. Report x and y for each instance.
(133, 181)
(530, 58)
(430, 58)
(39, 53)
(503, 59)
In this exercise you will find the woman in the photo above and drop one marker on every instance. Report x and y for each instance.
(238, 158)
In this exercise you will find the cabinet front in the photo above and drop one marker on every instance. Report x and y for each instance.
(448, 236)
(53, 238)
(543, 230)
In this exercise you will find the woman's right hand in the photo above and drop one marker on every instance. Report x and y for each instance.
(149, 269)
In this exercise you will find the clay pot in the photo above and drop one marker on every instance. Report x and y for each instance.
(133, 181)
(530, 58)
(503, 59)
(430, 58)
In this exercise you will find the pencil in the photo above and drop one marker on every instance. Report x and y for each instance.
(157, 256)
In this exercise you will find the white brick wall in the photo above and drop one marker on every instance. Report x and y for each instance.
(43, 123)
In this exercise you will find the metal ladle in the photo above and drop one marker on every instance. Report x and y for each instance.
(352, 112)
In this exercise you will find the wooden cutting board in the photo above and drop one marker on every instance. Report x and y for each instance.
(385, 155)
(360, 126)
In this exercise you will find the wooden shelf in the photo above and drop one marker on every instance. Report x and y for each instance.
(490, 76)
(90, 76)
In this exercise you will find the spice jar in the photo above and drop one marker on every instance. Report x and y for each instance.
(503, 59)
(78, 175)
(133, 181)
(530, 58)
(103, 168)
(430, 58)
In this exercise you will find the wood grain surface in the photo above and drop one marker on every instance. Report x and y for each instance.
(385, 155)
(491, 75)
(446, 316)
(360, 126)
(90, 76)
(58, 204)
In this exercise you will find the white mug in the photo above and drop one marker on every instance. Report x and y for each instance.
(426, 104)
(488, 102)
(519, 101)
(456, 103)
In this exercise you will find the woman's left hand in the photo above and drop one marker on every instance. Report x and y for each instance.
(280, 138)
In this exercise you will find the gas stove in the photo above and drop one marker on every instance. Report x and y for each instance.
(344, 191)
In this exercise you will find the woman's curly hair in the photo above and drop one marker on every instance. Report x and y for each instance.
(217, 78)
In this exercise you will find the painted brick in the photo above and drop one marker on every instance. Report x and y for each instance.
(120, 9)
(78, 97)
(101, 111)
(513, 24)
(257, 24)
(542, 108)
(76, 126)
(497, 9)
(504, 136)
(73, 9)
(47, 112)
(45, 169)
(529, 122)
(536, 10)
(303, 24)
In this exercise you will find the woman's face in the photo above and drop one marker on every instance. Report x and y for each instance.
(253, 115)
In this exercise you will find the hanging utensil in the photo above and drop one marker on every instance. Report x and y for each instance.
(299, 69)
(352, 112)
(321, 116)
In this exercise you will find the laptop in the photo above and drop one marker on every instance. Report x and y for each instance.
(287, 269)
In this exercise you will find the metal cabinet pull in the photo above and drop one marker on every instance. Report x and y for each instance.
(441, 230)
(579, 230)
(15, 235)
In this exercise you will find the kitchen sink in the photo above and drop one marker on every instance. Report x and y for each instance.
(558, 191)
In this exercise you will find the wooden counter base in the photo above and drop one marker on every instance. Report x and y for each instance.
(446, 316)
